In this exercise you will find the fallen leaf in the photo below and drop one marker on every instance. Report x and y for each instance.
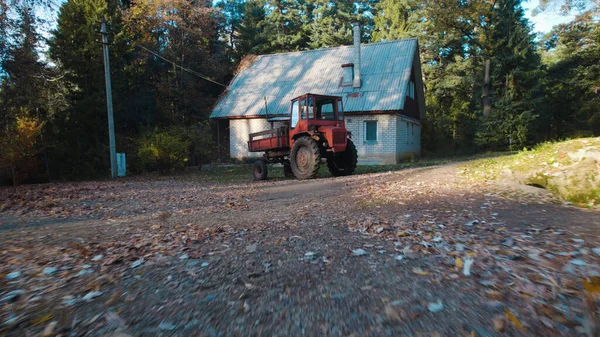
(458, 263)
(41, 320)
(514, 320)
(593, 285)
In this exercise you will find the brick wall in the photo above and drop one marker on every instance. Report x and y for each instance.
(408, 137)
(381, 152)
(239, 129)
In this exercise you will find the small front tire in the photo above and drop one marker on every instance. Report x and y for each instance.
(343, 164)
(260, 170)
(287, 171)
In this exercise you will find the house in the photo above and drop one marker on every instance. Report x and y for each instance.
(381, 86)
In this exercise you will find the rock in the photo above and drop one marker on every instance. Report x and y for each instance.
(310, 255)
(459, 247)
(584, 251)
(204, 264)
(97, 258)
(359, 252)
(13, 275)
(86, 266)
(578, 240)
(596, 251)
(12, 296)
(184, 257)
(435, 306)
(166, 326)
(549, 256)
(137, 263)
(399, 257)
(379, 229)
(251, 248)
(91, 295)
(50, 271)
(381, 251)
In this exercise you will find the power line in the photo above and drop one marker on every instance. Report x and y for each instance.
(181, 67)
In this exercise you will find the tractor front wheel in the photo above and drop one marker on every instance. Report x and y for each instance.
(344, 163)
(259, 170)
(305, 158)
(287, 170)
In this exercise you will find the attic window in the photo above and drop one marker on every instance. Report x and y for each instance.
(347, 74)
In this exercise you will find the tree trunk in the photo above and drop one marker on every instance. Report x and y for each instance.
(14, 176)
(487, 102)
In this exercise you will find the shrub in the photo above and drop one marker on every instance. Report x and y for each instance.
(163, 150)
(175, 147)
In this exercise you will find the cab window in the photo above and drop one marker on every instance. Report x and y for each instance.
(294, 112)
(325, 109)
(340, 110)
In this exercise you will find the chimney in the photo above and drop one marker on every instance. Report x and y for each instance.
(356, 81)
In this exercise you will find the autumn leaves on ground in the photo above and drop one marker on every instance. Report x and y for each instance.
(423, 252)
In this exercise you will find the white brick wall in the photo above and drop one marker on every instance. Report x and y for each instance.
(381, 152)
(408, 135)
(392, 144)
(239, 129)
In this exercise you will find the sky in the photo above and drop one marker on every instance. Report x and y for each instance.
(543, 22)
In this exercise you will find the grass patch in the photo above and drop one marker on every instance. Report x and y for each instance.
(554, 166)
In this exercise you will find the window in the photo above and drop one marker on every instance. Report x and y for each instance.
(294, 113)
(303, 109)
(411, 90)
(340, 110)
(370, 131)
(325, 109)
(311, 111)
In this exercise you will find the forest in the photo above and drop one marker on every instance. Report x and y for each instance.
(491, 82)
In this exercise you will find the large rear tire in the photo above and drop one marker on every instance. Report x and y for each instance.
(260, 170)
(344, 163)
(305, 158)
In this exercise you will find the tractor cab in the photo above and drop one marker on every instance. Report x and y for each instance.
(319, 115)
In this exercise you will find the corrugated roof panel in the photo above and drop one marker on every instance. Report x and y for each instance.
(385, 71)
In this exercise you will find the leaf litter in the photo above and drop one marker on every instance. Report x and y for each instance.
(473, 253)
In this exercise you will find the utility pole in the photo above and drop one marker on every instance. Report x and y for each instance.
(109, 106)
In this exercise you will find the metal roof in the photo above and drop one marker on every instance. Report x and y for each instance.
(385, 71)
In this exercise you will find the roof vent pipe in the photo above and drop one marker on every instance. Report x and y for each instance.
(356, 81)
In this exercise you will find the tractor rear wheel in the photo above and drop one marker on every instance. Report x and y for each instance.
(344, 163)
(287, 170)
(305, 158)
(259, 170)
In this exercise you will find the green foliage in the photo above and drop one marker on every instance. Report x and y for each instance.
(20, 143)
(164, 150)
(175, 147)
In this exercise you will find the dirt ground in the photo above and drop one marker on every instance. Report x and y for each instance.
(418, 252)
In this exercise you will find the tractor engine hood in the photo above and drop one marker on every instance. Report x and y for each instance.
(336, 137)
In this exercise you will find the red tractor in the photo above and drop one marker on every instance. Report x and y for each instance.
(314, 130)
